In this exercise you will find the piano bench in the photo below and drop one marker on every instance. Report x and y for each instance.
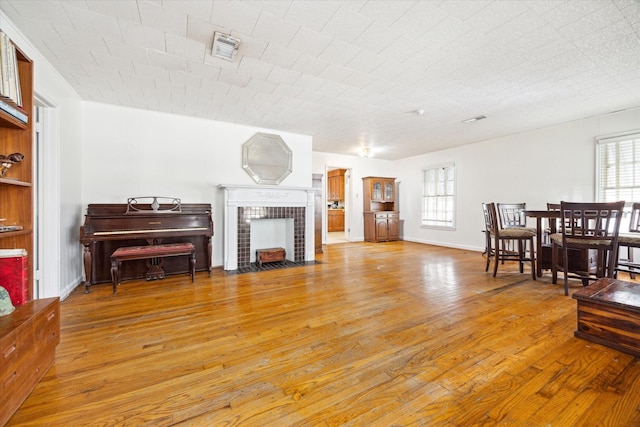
(149, 252)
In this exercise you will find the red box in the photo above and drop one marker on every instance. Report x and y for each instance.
(14, 274)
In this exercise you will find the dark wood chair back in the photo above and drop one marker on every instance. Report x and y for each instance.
(634, 221)
(512, 215)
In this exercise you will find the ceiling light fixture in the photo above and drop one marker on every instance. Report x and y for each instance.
(225, 46)
(419, 112)
(366, 152)
(474, 119)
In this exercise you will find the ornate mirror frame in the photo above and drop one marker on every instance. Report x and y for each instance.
(267, 158)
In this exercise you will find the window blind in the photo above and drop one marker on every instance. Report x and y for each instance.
(438, 201)
(618, 168)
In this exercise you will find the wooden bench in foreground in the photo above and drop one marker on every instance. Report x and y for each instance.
(609, 314)
(151, 252)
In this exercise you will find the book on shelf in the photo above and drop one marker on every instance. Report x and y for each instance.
(14, 111)
(10, 84)
(14, 274)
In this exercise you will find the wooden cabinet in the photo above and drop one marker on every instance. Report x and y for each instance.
(335, 184)
(381, 219)
(381, 226)
(379, 194)
(28, 340)
(16, 193)
(335, 220)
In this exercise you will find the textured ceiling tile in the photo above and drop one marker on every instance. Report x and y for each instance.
(119, 49)
(387, 13)
(591, 23)
(419, 19)
(365, 61)
(162, 18)
(309, 65)
(335, 73)
(281, 75)
(346, 25)
(254, 68)
(495, 14)
(185, 48)
(166, 61)
(127, 11)
(375, 38)
(277, 8)
(45, 11)
(309, 42)
(143, 37)
(202, 30)
(464, 9)
(339, 53)
(110, 62)
(280, 56)
(88, 21)
(236, 16)
(274, 30)
(312, 14)
(567, 12)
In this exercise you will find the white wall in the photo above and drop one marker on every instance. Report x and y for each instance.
(360, 168)
(60, 269)
(134, 153)
(547, 165)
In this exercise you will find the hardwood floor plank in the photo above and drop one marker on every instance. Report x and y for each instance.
(386, 334)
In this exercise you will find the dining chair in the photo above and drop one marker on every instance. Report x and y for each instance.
(512, 215)
(630, 240)
(591, 230)
(507, 244)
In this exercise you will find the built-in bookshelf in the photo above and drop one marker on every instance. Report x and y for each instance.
(16, 137)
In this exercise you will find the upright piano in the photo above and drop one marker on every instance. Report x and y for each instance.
(108, 227)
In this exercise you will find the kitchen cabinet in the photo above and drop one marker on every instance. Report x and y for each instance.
(335, 220)
(381, 219)
(335, 185)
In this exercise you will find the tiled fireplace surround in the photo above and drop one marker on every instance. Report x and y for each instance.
(245, 203)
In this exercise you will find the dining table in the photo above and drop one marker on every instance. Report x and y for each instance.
(543, 249)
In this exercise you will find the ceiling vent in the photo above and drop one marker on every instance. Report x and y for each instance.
(225, 46)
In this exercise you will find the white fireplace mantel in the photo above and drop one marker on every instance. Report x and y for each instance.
(236, 196)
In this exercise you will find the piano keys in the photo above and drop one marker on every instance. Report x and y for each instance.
(108, 227)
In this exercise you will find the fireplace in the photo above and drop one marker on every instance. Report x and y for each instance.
(245, 204)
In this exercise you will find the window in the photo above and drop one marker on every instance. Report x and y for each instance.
(618, 168)
(438, 200)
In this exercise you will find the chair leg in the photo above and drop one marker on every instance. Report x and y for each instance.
(554, 264)
(489, 251)
(521, 256)
(497, 257)
(532, 258)
(566, 270)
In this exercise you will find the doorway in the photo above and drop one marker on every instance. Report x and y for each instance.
(338, 197)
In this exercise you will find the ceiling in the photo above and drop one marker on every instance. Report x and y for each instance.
(353, 73)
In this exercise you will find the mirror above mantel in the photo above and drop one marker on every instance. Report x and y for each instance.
(267, 158)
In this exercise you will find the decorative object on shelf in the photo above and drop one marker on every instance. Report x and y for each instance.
(7, 161)
(267, 158)
(172, 204)
(6, 307)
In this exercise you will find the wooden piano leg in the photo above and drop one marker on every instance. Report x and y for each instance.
(87, 268)
(192, 265)
(115, 274)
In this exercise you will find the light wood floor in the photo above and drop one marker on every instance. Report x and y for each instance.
(391, 334)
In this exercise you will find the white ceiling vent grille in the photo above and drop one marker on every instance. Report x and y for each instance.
(225, 46)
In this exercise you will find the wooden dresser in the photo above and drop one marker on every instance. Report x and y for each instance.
(28, 340)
